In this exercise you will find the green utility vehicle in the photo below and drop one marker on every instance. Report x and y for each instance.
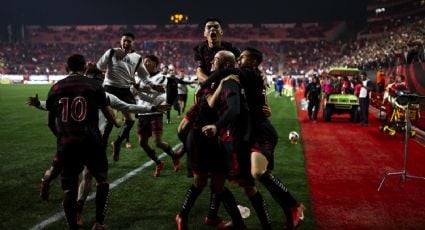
(338, 103)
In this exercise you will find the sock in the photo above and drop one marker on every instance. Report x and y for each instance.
(106, 133)
(189, 200)
(183, 138)
(260, 207)
(171, 153)
(69, 204)
(124, 132)
(102, 193)
(151, 154)
(279, 193)
(168, 115)
(80, 206)
(214, 206)
(231, 207)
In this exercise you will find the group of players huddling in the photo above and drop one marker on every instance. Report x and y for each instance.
(217, 131)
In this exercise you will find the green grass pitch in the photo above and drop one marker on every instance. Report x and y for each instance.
(141, 202)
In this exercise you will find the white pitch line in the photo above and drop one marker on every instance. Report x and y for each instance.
(59, 215)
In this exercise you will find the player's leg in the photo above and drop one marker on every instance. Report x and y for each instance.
(199, 183)
(259, 205)
(83, 192)
(97, 165)
(70, 189)
(144, 132)
(280, 193)
(229, 202)
(124, 132)
(157, 129)
(49, 175)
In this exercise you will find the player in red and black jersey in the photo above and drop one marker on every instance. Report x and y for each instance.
(205, 51)
(207, 160)
(73, 105)
(204, 55)
(264, 139)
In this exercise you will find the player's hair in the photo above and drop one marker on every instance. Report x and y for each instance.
(153, 58)
(128, 34)
(212, 20)
(76, 62)
(254, 53)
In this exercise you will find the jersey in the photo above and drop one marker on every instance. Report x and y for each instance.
(148, 97)
(204, 54)
(75, 101)
(120, 73)
(255, 90)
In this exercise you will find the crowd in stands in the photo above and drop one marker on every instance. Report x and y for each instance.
(287, 48)
(397, 46)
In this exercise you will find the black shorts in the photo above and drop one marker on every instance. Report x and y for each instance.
(150, 125)
(204, 154)
(124, 94)
(74, 157)
(264, 141)
(182, 97)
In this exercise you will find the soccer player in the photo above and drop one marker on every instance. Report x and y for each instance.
(172, 92)
(121, 64)
(182, 93)
(206, 159)
(73, 105)
(264, 140)
(205, 51)
(85, 183)
(204, 54)
(262, 143)
(151, 123)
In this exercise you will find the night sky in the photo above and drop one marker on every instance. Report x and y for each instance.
(59, 12)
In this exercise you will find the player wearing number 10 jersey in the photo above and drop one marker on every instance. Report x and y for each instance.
(73, 105)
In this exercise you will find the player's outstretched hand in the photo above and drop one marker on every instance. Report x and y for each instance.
(162, 108)
(209, 130)
(120, 54)
(267, 111)
(33, 101)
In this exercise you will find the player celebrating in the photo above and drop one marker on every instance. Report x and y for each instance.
(73, 105)
(151, 124)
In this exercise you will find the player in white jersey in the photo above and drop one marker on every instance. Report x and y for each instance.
(121, 65)
(151, 123)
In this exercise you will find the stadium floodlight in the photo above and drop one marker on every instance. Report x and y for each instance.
(178, 18)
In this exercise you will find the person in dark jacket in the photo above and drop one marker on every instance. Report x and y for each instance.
(313, 94)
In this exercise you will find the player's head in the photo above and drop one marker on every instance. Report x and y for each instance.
(223, 59)
(151, 63)
(76, 63)
(250, 57)
(126, 42)
(212, 30)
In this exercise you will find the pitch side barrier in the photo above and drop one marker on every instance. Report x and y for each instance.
(30, 78)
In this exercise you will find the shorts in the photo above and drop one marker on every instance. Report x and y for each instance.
(182, 97)
(264, 141)
(150, 125)
(204, 154)
(75, 156)
(124, 94)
